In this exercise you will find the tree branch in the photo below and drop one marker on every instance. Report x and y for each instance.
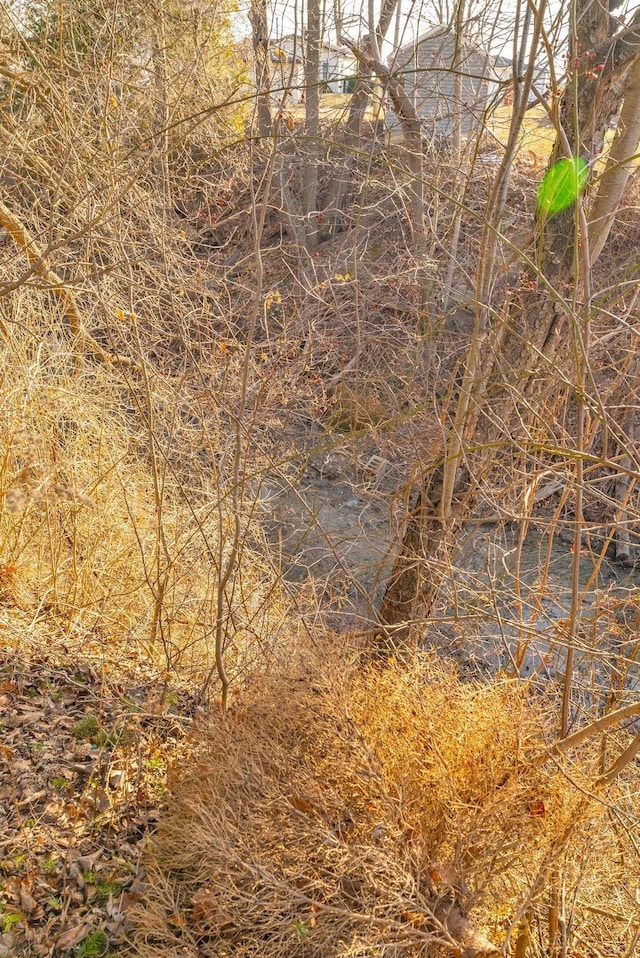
(23, 238)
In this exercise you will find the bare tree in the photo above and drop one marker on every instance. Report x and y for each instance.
(260, 35)
(312, 143)
(342, 156)
(549, 310)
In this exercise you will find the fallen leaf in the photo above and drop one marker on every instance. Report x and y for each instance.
(96, 798)
(203, 903)
(303, 806)
(116, 778)
(87, 862)
(72, 937)
(28, 903)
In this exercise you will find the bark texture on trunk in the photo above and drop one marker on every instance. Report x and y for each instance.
(311, 145)
(620, 165)
(623, 488)
(413, 583)
(260, 37)
(342, 157)
(412, 133)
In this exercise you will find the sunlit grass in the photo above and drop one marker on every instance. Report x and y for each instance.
(335, 107)
(538, 134)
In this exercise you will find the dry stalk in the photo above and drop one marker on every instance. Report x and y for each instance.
(37, 257)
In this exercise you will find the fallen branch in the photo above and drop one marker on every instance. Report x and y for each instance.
(625, 758)
(595, 728)
(24, 79)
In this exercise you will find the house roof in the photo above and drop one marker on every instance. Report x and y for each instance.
(300, 43)
(441, 30)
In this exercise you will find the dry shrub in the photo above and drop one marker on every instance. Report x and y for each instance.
(333, 808)
(117, 480)
(92, 535)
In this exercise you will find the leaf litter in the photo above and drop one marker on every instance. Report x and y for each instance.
(84, 751)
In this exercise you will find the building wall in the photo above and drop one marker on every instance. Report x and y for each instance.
(336, 66)
(428, 72)
(336, 69)
(287, 73)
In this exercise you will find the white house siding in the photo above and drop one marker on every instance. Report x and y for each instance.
(337, 65)
(428, 68)
(287, 68)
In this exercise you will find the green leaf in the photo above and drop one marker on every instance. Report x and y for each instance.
(562, 185)
(94, 946)
(9, 920)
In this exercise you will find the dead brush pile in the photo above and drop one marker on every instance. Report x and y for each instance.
(341, 811)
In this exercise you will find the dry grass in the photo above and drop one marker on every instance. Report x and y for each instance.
(101, 541)
(122, 506)
(335, 107)
(538, 133)
(335, 807)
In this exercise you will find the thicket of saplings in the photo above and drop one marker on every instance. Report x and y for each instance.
(338, 807)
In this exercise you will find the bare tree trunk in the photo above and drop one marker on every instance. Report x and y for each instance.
(456, 66)
(312, 124)
(412, 584)
(342, 159)
(511, 353)
(620, 165)
(161, 82)
(260, 36)
(290, 206)
(623, 488)
(412, 133)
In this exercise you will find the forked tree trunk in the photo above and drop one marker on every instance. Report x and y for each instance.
(342, 157)
(412, 135)
(414, 151)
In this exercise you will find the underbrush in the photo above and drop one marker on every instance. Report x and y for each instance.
(344, 810)
(106, 531)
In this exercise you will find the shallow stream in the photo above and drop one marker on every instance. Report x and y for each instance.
(498, 614)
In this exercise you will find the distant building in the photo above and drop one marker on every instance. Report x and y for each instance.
(338, 66)
(428, 67)
(541, 82)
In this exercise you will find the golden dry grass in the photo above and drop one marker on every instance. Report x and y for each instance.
(101, 541)
(538, 134)
(335, 107)
(333, 809)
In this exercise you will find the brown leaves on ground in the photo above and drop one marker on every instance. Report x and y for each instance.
(82, 778)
